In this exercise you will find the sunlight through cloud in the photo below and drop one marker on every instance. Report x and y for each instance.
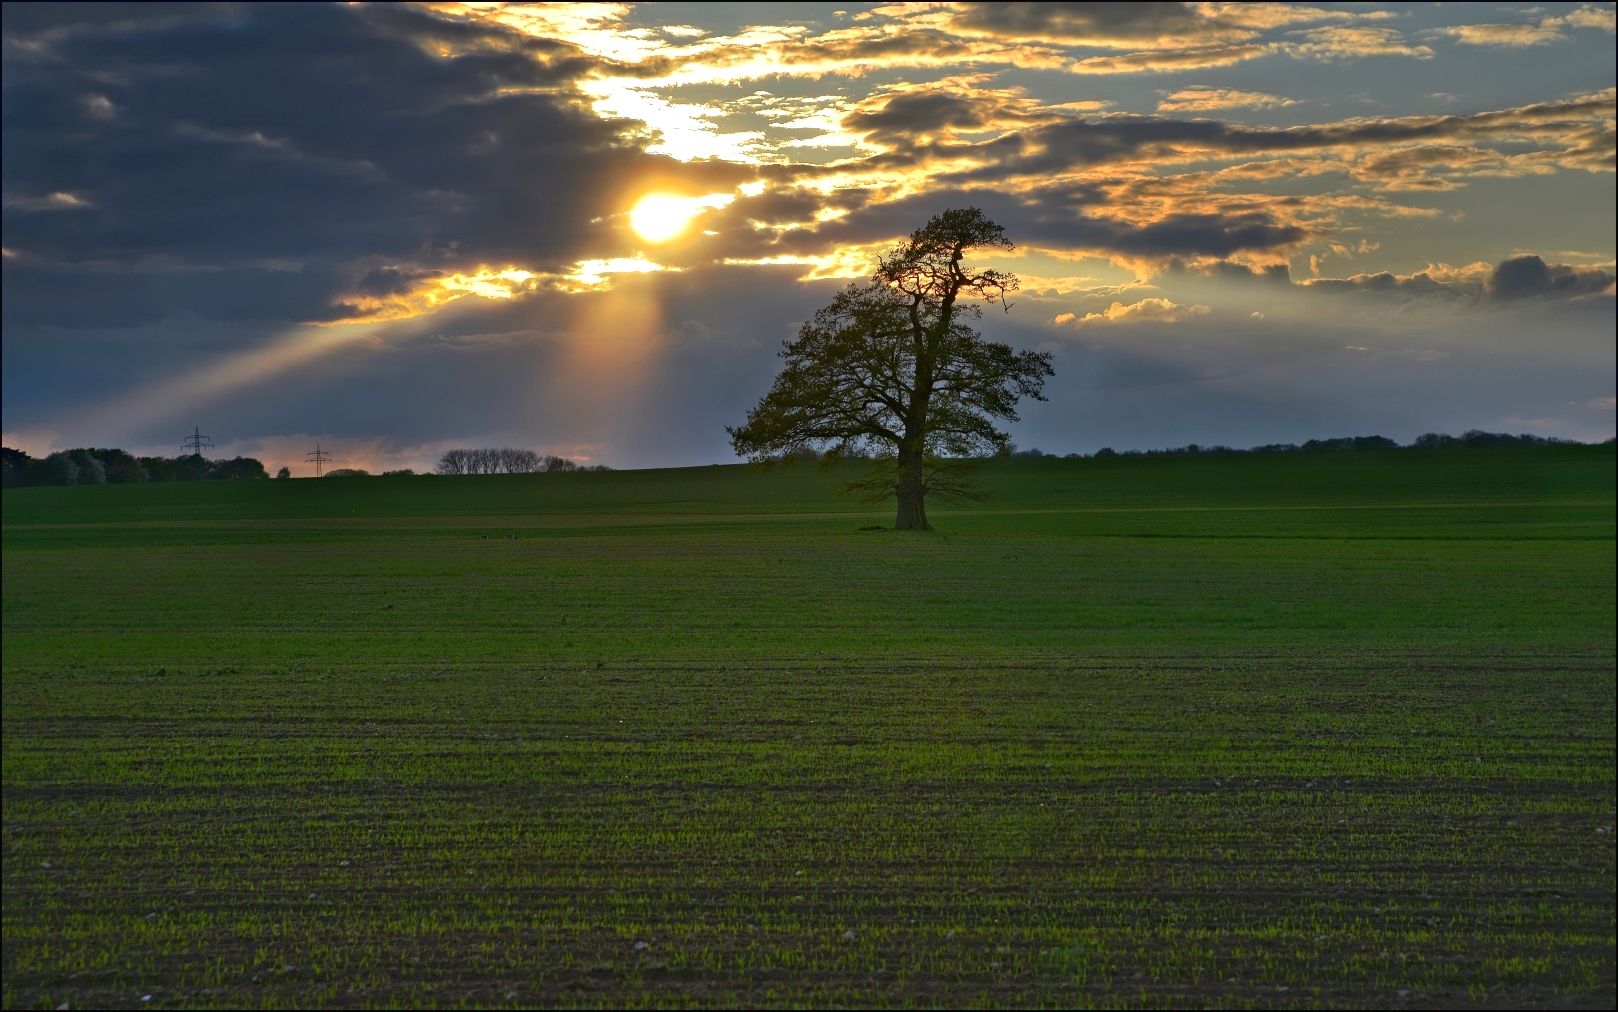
(489, 284)
(660, 217)
(595, 272)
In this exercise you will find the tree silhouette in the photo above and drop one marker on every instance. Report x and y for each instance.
(889, 367)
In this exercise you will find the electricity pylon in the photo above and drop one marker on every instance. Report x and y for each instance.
(318, 457)
(195, 443)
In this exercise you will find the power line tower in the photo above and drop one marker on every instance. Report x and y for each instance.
(317, 457)
(196, 442)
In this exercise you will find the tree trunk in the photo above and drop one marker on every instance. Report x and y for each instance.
(912, 503)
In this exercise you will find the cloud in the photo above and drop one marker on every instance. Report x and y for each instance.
(333, 142)
(1516, 279)
(1279, 273)
(49, 202)
(1137, 153)
(1441, 280)
(1110, 26)
(1539, 33)
(1328, 43)
(1264, 16)
(940, 112)
(1106, 185)
(1144, 311)
(1138, 26)
(1530, 277)
(1343, 42)
(1200, 98)
(1515, 36)
(1570, 133)
(1167, 61)
(335, 158)
(1059, 217)
(1156, 36)
(889, 38)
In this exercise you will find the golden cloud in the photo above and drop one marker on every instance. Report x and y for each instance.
(843, 262)
(1106, 26)
(1342, 42)
(1143, 191)
(428, 291)
(1265, 16)
(1199, 98)
(424, 291)
(1144, 311)
(1542, 32)
(1172, 60)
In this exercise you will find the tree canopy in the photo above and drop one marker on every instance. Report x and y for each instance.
(891, 368)
(86, 466)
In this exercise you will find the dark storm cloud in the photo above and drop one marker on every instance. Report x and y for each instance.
(1421, 284)
(1529, 277)
(1519, 278)
(296, 144)
(1218, 235)
(1522, 277)
(34, 27)
(381, 281)
(97, 297)
(1278, 273)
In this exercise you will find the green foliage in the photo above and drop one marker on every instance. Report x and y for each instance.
(850, 382)
(70, 467)
(103, 466)
(1168, 731)
(889, 369)
(198, 468)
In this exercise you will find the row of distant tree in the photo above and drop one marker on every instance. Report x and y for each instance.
(506, 460)
(1346, 444)
(102, 467)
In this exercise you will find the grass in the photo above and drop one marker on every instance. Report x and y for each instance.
(1229, 732)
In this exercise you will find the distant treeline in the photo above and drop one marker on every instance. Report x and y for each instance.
(104, 467)
(1346, 444)
(506, 460)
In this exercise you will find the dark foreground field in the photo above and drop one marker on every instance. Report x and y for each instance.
(1249, 731)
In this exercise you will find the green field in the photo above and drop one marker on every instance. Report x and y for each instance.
(1270, 730)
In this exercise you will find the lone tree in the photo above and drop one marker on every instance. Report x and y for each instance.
(889, 367)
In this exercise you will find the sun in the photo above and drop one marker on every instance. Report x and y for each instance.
(659, 217)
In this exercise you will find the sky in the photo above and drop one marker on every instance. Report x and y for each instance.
(587, 229)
